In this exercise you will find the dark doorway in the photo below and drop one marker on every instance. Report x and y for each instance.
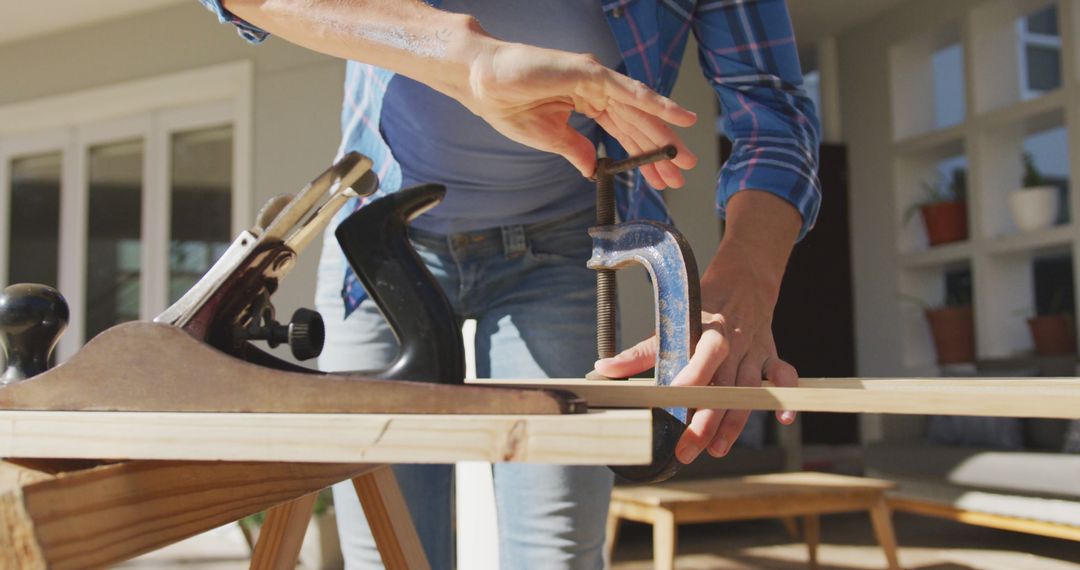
(814, 321)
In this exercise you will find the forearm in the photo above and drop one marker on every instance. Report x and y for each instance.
(761, 227)
(408, 37)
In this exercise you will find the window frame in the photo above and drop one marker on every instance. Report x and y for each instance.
(152, 110)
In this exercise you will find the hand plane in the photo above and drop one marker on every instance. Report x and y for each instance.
(667, 256)
(199, 354)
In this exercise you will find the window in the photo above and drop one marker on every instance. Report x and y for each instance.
(123, 197)
(1040, 52)
(34, 233)
(114, 235)
(948, 64)
(201, 199)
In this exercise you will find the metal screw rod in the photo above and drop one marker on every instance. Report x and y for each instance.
(606, 292)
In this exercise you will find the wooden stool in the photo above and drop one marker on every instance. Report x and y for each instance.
(784, 495)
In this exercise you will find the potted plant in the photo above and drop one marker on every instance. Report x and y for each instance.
(944, 211)
(952, 327)
(1054, 333)
(1035, 206)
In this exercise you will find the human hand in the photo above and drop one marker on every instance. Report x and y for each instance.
(738, 295)
(527, 94)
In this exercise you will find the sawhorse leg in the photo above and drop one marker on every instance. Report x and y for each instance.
(282, 535)
(387, 515)
(390, 522)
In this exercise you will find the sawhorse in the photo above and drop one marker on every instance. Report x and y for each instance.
(73, 514)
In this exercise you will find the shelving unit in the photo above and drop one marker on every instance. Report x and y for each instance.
(997, 118)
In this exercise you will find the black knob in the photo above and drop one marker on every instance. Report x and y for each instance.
(306, 334)
(32, 318)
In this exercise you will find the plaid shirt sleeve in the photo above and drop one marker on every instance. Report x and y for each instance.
(246, 30)
(747, 52)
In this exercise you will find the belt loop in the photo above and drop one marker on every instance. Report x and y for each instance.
(513, 238)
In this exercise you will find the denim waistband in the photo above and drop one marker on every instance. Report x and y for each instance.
(508, 240)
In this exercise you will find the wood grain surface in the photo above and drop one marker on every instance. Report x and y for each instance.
(1013, 397)
(101, 516)
(608, 437)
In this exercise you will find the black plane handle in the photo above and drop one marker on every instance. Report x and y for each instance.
(32, 318)
(376, 244)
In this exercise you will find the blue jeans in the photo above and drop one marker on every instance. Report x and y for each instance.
(535, 306)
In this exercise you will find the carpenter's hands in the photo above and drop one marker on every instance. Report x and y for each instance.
(527, 93)
(738, 295)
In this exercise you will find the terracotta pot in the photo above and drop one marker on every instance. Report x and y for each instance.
(946, 222)
(1053, 334)
(953, 329)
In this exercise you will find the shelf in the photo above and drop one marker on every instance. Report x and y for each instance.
(935, 370)
(1026, 362)
(1009, 104)
(938, 256)
(942, 142)
(1026, 242)
(1043, 112)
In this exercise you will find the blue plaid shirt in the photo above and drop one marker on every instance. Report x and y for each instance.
(747, 52)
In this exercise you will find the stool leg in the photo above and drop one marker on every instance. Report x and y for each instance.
(282, 535)
(665, 537)
(611, 534)
(881, 517)
(812, 534)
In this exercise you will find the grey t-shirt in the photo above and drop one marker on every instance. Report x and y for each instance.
(492, 181)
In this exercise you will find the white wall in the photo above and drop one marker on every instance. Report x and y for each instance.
(297, 93)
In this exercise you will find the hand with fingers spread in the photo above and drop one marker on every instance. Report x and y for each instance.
(738, 294)
(527, 93)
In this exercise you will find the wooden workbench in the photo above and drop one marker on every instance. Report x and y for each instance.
(184, 473)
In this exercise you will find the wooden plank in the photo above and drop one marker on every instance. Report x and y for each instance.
(105, 515)
(1015, 524)
(282, 535)
(1014, 397)
(611, 437)
(18, 545)
(389, 520)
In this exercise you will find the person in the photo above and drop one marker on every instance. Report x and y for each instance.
(505, 102)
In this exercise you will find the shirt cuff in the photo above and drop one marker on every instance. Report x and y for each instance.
(249, 32)
(784, 169)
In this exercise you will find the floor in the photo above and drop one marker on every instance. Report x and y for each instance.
(847, 544)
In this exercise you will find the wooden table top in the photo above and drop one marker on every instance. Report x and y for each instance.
(770, 486)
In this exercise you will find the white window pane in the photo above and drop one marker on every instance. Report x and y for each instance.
(948, 65)
(1043, 22)
(1043, 67)
(114, 235)
(201, 188)
(34, 228)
